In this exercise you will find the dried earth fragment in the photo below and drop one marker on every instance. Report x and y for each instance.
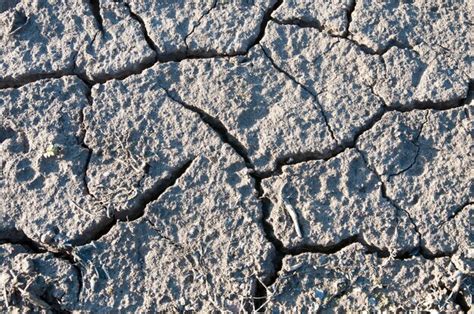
(199, 246)
(204, 28)
(459, 231)
(36, 282)
(330, 16)
(270, 116)
(445, 25)
(420, 77)
(353, 86)
(336, 200)
(353, 280)
(139, 139)
(335, 70)
(43, 162)
(118, 48)
(52, 38)
(424, 159)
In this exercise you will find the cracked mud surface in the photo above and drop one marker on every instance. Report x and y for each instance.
(242, 155)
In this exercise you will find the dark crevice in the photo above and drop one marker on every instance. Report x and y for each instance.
(145, 33)
(458, 211)
(217, 126)
(320, 108)
(460, 300)
(82, 142)
(19, 237)
(95, 8)
(440, 106)
(349, 12)
(30, 78)
(300, 158)
(137, 211)
(263, 26)
(260, 296)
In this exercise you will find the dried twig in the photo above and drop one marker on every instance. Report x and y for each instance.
(291, 211)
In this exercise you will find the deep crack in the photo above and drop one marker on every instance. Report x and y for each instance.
(82, 137)
(349, 12)
(95, 8)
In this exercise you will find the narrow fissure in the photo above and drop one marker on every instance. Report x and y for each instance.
(213, 6)
(218, 127)
(95, 8)
(138, 210)
(320, 108)
(418, 149)
(82, 137)
(366, 49)
(350, 10)
(458, 211)
(263, 26)
(145, 33)
(460, 300)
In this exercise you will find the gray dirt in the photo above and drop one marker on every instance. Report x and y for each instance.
(236, 155)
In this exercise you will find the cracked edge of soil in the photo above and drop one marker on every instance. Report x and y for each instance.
(145, 64)
(64, 254)
(314, 96)
(138, 210)
(261, 298)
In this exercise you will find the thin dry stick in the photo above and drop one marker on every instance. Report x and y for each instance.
(291, 211)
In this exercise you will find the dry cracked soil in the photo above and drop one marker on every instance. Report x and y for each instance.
(236, 155)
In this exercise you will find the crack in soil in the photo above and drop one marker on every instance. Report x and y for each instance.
(347, 36)
(137, 211)
(418, 149)
(95, 8)
(349, 12)
(62, 253)
(144, 30)
(457, 212)
(213, 6)
(315, 97)
(160, 187)
(82, 137)
(217, 126)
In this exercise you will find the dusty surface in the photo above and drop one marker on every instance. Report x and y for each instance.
(241, 155)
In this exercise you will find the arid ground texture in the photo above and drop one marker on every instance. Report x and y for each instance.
(279, 156)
